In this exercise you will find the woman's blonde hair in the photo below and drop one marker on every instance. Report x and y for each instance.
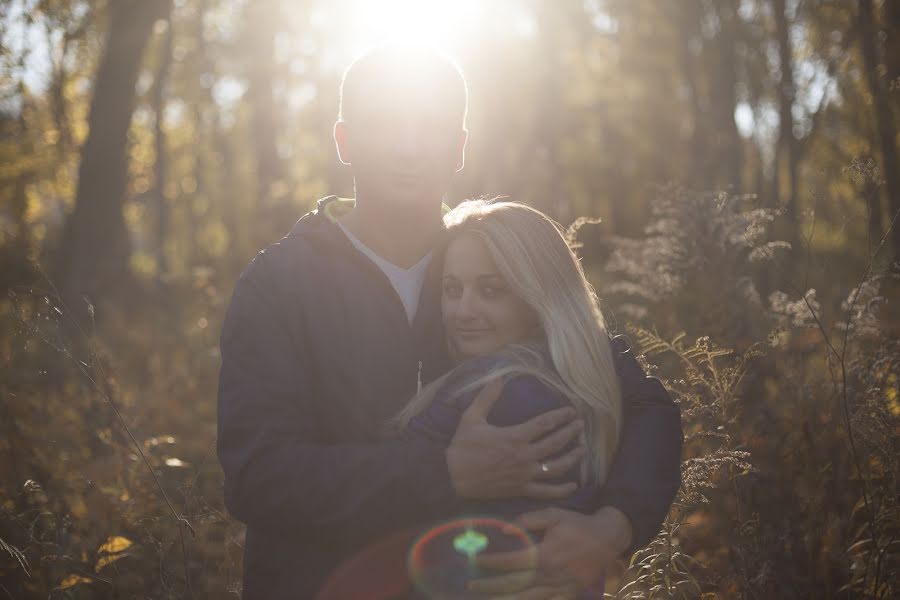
(532, 255)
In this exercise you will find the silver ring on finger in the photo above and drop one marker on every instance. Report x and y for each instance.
(545, 468)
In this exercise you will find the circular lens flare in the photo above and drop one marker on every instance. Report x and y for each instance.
(444, 560)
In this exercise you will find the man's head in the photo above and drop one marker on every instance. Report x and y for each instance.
(401, 125)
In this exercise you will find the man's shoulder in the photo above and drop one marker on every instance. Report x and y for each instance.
(303, 247)
(275, 260)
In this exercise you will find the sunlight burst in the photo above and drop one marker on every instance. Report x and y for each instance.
(437, 23)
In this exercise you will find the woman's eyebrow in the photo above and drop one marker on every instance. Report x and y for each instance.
(492, 276)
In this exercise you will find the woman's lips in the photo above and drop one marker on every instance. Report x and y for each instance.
(469, 334)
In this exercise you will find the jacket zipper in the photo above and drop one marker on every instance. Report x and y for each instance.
(419, 379)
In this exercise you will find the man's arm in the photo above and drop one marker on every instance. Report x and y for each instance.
(274, 475)
(646, 472)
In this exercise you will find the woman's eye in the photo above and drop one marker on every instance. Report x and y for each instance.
(452, 290)
(491, 291)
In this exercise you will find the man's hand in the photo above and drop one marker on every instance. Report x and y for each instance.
(507, 462)
(574, 553)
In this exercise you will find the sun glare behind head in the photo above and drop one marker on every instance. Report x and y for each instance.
(437, 23)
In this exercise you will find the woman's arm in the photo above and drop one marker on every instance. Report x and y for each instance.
(524, 398)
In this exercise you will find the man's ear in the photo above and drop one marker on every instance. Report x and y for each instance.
(340, 140)
(461, 150)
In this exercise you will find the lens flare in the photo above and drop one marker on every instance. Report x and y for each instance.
(443, 560)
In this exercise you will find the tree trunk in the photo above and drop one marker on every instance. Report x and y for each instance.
(263, 21)
(884, 119)
(546, 189)
(162, 160)
(787, 143)
(217, 195)
(727, 142)
(873, 206)
(25, 175)
(891, 22)
(94, 252)
(58, 80)
(687, 17)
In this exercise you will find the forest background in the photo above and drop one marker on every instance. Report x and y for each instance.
(741, 155)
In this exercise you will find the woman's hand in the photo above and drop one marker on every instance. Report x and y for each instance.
(574, 553)
(506, 462)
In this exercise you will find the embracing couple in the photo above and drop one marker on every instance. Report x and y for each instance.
(392, 365)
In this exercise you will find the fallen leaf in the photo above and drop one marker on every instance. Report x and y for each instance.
(115, 543)
(73, 580)
(105, 560)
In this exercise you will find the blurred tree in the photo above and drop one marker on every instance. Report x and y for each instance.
(161, 156)
(787, 149)
(727, 144)
(263, 25)
(884, 119)
(72, 18)
(93, 255)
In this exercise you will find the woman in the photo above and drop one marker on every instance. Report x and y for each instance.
(517, 306)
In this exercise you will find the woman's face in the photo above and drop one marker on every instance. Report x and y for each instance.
(481, 313)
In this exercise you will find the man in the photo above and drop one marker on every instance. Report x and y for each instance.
(331, 329)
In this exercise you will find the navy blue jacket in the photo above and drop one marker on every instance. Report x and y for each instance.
(317, 355)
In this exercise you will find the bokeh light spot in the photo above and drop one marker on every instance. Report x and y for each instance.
(470, 543)
(443, 561)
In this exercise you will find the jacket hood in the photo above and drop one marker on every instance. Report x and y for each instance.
(321, 223)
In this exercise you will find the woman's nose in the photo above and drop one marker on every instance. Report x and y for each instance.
(466, 308)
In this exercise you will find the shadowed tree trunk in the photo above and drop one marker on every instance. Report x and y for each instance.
(727, 142)
(547, 189)
(58, 80)
(263, 18)
(687, 17)
(93, 256)
(24, 177)
(72, 20)
(787, 143)
(884, 119)
(217, 191)
(161, 164)
(891, 21)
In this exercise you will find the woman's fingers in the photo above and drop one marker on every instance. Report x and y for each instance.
(514, 560)
(544, 424)
(549, 491)
(502, 584)
(538, 520)
(564, 592)
(552, 444)
(548, 469)
(520, 462)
